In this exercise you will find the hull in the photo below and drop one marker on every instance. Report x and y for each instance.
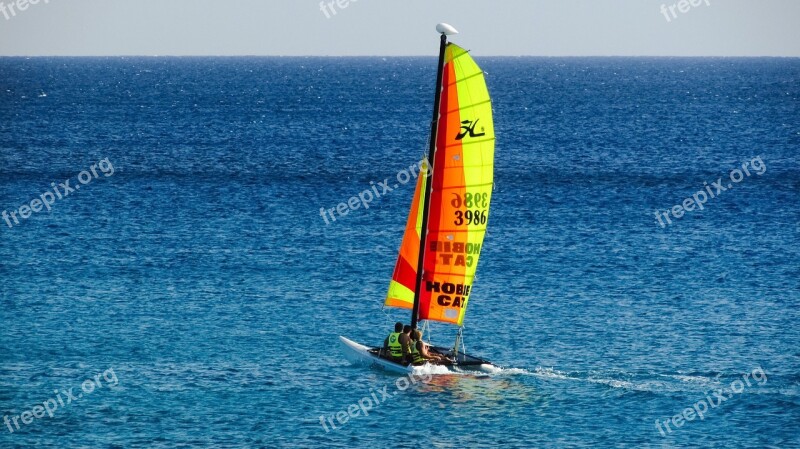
(360, 354)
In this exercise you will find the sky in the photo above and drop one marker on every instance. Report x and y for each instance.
(399, 27)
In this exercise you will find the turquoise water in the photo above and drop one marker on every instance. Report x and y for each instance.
(194, 282)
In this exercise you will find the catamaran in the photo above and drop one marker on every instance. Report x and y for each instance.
(446, 225)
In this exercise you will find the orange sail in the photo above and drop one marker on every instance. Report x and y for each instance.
(458, 209)
(401, 288)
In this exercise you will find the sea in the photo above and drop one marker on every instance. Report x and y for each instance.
(176, 267)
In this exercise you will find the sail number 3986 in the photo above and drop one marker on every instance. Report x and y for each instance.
(475, 204)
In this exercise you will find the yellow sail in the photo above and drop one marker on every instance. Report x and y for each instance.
(461, 190)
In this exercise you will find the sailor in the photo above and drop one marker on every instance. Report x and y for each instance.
(419, 350)
(392, 348)
(405, 342)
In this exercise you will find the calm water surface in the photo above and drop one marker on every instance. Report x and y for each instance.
(198, 280)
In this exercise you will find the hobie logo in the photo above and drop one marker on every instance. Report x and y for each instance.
(468, 127)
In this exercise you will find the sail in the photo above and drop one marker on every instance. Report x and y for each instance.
(404, 279)
(461, 190)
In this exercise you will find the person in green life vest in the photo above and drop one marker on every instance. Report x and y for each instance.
(420, 353)
(405, 342)
(392, 348)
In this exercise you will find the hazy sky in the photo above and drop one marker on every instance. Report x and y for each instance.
(399, 27)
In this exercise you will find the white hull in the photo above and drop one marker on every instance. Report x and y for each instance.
(359, 354)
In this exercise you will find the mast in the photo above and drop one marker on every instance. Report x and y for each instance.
(444, 29)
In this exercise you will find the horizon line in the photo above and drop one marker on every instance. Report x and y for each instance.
(389, 56)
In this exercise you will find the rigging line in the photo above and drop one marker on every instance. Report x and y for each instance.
(461, 339)
(386, 315)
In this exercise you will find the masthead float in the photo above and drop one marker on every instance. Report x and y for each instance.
(446, 225)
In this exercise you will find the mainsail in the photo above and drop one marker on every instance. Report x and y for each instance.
(460, 194)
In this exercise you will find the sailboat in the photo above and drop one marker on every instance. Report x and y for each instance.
(446, 225)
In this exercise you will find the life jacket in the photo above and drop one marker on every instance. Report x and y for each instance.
(395, 348)
(416, 357)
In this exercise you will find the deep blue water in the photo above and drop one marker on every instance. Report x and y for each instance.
(203, 286)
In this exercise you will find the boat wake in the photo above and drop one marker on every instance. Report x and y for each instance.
(651, 382)
(433, 370)
(486, 371)
(612, 382)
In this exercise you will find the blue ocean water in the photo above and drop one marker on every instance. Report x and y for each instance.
(194, 282)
